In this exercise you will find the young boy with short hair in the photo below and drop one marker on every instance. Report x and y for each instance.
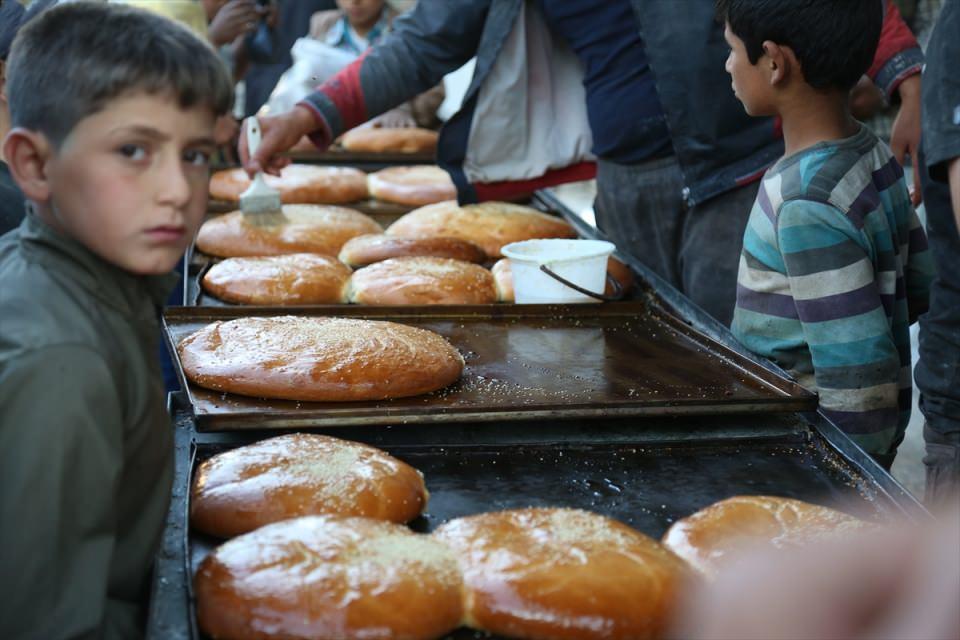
(113, 112)
(834, 265)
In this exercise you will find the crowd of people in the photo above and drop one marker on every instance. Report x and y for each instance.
(726, 159)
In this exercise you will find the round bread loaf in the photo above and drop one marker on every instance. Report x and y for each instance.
(390, 140)
(297, 184)
(310, 228)
(503, 274)
(297, 278)
(415, 186)
(299, 475)
(562, 573)
(712, 536)
(416, 281)
(319, 359)
(325, 577)
(365, 250)
(489, 224)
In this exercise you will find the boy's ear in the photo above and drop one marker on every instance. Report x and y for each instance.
(27, 154)
(781, 62)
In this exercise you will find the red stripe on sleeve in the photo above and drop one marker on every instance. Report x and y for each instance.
(346, 94)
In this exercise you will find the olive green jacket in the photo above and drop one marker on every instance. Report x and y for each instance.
(85, 441)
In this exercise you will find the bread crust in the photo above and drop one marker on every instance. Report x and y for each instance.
(491, 225)
(415, 186)
(714, 535)
(420, 281)
(319, 359)
(311, 228)
(299, 475)
(297, 278)
(390, 140)
(562, 573)
(368, 249)
(325, 577)
(297, 184)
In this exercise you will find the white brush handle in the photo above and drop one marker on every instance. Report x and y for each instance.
(253, 134)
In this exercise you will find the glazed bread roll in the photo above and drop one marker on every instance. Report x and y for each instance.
(298, 278)
(390, 140)
(712, 536)
(365, 250)
(562, 573)
(503, 274)
(415, 186)
(417, 281)
(325, 577)
(489, 224)
(310, 228)
(297, 184)
(503, 277)
(318, 359)
(299, 475)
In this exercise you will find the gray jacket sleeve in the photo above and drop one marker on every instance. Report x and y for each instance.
(432, 40)
(61, 440)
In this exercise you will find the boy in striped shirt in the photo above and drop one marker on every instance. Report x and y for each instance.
(834, 266)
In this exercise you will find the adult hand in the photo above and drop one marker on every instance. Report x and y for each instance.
(905, 135)
(278, 134)
(235, 19)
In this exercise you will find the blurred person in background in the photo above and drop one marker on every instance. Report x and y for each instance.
(636, 85)
(262, 74)
(354, 27)
(12, 207)
(938, 370)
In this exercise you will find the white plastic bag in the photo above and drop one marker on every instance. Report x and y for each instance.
(313, 63)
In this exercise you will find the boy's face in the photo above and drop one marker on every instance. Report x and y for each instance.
(130, 182)
(750, 84)
(361, 12)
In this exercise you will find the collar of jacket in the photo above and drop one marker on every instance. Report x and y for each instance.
(339, 34)
(115, 287)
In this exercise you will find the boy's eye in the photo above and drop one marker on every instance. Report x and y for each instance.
(197, 157)
(133, 151)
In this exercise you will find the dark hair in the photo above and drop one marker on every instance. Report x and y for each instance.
(70, 61)
(834, 40)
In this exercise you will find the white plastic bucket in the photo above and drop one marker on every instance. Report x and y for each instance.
(582, 262)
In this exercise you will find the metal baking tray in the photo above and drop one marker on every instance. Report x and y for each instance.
(366, 160)
(386, 213)
(645, 473)
(527, 362)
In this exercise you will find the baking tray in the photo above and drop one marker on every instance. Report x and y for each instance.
(647, 474)
(386, 213)
(528, 362)
(366, 160)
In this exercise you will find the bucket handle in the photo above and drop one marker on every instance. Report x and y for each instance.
(617, 289)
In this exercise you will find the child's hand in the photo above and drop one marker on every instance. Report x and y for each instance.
(905, 135)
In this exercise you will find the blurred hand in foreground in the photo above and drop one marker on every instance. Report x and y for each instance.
(897, 584)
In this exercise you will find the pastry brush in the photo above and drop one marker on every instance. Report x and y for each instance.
(260, 203)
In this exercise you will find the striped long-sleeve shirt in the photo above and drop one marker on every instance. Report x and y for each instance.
(834, 269)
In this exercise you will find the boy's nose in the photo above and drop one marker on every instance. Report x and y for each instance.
(174, 186)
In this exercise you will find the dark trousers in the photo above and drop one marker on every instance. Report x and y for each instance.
(938, 370)
(641, 209)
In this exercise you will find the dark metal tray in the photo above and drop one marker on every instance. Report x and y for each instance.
(385, 213)
(527, 362)
(365, 160)
(645, 473)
